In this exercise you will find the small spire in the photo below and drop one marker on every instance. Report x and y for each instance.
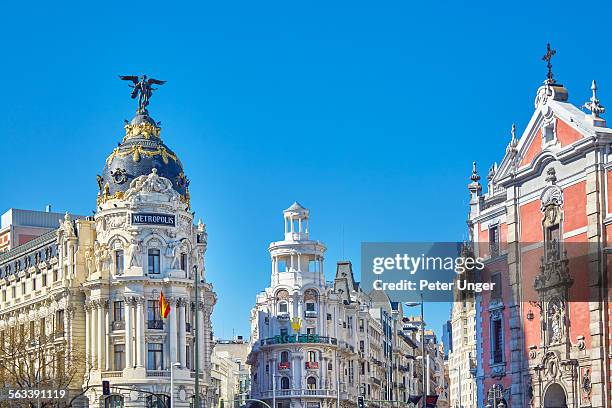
(492, 171)
(513, 140)
(548, 57)
(594, 106)
(475, 177)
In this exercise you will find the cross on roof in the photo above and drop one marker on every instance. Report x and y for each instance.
(548, 57)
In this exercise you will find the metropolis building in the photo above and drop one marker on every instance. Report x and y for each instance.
(86, 295)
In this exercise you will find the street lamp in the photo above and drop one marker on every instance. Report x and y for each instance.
(412, 304)
(177, 365)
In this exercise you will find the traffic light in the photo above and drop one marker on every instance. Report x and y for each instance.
(360, 402)
(105, 387)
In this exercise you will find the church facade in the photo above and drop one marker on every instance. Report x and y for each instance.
(544, 224)
(87, 295)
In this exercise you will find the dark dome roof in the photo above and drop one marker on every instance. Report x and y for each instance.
(141, 150)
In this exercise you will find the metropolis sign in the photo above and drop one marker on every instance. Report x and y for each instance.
(154, 219)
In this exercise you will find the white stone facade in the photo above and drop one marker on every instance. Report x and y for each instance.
(317, 344)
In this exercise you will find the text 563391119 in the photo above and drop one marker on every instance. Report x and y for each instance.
(33, 394)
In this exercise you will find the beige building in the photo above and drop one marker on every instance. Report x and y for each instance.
(83, 300)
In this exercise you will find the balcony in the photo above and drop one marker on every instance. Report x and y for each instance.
(158, 373)
(118, 325)
(283, 316)
(112, 374)
(306, 392)
(284, 365)
(312, 365)
(311, 314)
(155, 324)
(300, 338)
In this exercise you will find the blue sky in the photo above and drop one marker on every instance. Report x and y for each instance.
(368, 113)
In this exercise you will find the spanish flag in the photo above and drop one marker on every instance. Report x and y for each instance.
(163, 305)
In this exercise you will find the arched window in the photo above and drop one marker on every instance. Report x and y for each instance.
(157, 402)
(113, 401)
(284, 383)
(284, 356)
(311, 383)
(282, 304)
(311, 299)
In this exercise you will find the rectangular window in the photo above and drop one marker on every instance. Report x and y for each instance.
(312, 266)
(153, 261)
(33, 284)
(310, 307)
(118, 311)
(284, 332)
(119, 360)
(44, 279)
(32, 330)
(282, 266)
(153, 312)
(498, 341)
(282, 307)
(23, 288)
(43, 323)
(119, 261)
(59, 321)
(184, 262)
(310, 330)
(188, 356)
(494, 241)
(155, 356)
(13, 292)
(4, 295)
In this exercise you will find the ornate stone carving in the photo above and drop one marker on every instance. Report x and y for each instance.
(119, 175)
(67, 227)
(135, 251)
(151, 183)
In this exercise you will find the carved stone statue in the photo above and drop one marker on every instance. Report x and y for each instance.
(90, 261)
(67, 226)
(555, 323)
(176, 255)
(142, 88)
(135, 253)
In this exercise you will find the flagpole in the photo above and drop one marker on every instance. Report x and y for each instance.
(197, 342)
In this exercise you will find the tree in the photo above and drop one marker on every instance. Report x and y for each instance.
(33, 361)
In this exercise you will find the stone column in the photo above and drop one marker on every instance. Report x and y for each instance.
(101, 337)
(202, 334)
(87, 337)
(94, 334)
(139, 331)
(182, 333)
(172, 331)
(128, 333)
(107, 339)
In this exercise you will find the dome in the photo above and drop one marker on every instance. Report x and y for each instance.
(140, 151)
